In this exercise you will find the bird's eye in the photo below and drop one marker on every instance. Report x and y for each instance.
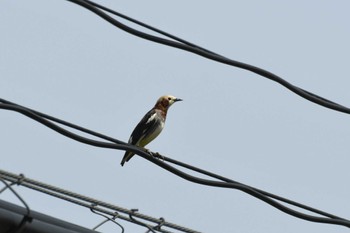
(169, 98)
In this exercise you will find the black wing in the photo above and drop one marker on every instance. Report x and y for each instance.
(145, 127)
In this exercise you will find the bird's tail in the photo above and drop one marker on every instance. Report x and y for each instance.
(127, 156)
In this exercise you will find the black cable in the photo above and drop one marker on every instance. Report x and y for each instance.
(148, 26)
(279, 198)
(190, 167)
(54, 119)
(190, 47)
(143, 154)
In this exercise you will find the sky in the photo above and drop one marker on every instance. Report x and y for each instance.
(63, 60)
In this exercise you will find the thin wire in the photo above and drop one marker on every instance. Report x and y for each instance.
(6, 187)
(9, 186)
(247, 189)
(190, 47)
(27, 217)
(87, 202)
(92, 208)
(139, 222)
(158, 226)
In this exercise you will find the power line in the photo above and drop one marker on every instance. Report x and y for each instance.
(93, 204)
(264, 196)
(191, 47)
(174, 161)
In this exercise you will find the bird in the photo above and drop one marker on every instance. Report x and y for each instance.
(150, 125)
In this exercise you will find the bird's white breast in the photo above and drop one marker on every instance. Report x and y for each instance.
(154, 134)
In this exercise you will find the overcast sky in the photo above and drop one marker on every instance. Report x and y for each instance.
(63, 60)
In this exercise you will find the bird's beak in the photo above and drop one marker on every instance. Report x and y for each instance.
(177, 99)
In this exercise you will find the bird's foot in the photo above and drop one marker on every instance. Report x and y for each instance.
(158, 156)
(148, 151)
(155, 154)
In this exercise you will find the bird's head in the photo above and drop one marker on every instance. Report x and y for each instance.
(165, 101)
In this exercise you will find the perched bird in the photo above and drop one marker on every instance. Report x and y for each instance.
(151, 124)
